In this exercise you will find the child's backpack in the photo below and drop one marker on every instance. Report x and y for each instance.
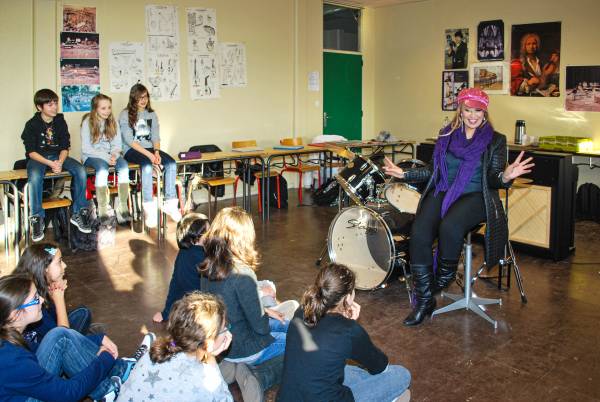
(327, 194)
(283, 191)
(588, 202)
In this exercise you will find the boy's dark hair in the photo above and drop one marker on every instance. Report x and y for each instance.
(458, 34)
(44, 96)
(190, 229)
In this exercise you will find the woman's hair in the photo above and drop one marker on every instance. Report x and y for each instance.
(136, 92)
(110, 125)
(193, 320)
(190, 229)
(14, 290)
(229, 242)
(524, 38)
(457, 121)
(34, 262)
(333, 283)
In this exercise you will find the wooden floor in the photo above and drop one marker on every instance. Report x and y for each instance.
(546, 350)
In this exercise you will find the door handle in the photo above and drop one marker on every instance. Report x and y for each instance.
(325, 117)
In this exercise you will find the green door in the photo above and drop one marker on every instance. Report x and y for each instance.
(342, 94)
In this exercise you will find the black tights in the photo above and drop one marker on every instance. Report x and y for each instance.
(466, 212)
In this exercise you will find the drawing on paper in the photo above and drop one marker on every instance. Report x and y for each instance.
(79, 72)
(201, 30)
(126, 65)
(78, 98)
(162, 29)
(233, 64)
(79, 45)
(79, 19)
(163, 76)
(204, 76)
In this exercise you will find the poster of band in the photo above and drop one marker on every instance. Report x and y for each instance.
(203, 53)
(490, 40)
(233, 65)
(162, 52)
(452, 83)
(79, 58)
(126, 65)
(535, 59)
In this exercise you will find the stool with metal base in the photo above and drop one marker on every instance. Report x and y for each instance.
(467, 301)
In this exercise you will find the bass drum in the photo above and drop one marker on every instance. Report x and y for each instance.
(369, 241)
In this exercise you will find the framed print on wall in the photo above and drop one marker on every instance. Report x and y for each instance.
(491, 77)
(452, 83)
(490, 40)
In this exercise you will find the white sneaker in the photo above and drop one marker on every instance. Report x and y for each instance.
(150, 214)
(171, 208)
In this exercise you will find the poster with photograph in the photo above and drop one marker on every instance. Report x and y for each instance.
(79, 19)
(583, 89)
(204, 76)
(126, 65)
(232, 65)
(535, 59)
(163, 76)
(490, 40)
(79, 72)
(162, 29)
(201, 30)
(79, 45)
(493, 78)
(452, 83)
(78, 98)
(456, 48)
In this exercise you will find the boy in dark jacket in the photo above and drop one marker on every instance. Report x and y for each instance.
(47, 141)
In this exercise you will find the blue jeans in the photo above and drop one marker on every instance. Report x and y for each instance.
(278, 326)
(382, 387)
(35, 177)
(101, 168)
(64, 351)
(170, 173)
(80, 319)
(273, 350)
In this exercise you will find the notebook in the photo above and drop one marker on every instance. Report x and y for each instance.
(247, 149)
(288, 147)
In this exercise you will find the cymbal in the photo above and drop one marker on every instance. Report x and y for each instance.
(522, 182)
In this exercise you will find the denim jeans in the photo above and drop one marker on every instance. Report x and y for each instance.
(273, 350)
(35, 177)
(64, 351)
(170, 173)
(383, 387)
(101, 168)
(80, 319)
(278, 326)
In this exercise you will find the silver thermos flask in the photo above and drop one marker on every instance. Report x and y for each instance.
(519, 132)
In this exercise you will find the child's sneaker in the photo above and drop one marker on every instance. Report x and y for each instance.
(148, 340)
(113, 391)
(171, 208)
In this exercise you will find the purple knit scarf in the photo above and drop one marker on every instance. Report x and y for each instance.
(468, 151)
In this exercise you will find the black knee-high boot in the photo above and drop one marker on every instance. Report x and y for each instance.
(445, 274)
(422, 276)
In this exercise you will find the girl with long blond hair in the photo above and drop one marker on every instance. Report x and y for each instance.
(100, 150)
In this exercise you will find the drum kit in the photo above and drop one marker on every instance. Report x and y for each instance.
(372, 236)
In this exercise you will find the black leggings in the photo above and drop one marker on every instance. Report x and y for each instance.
(466, 212)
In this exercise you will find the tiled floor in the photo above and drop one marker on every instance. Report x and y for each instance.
(546, 350)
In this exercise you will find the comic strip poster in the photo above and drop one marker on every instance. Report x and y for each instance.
(79, 19)
(126, 65)
(163, 76)
(490, 40)
(535, 59)
(79, 45)
(583, 89)
(232, 59)
(78, 98)
(204, 77)
(162, 29)
(202, 30)
(456, 48)
(452, 83)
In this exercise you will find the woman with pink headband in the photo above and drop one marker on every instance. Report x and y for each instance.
(469, 166)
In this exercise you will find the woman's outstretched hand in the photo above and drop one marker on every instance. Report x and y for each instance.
(517, 168)
(391, 169)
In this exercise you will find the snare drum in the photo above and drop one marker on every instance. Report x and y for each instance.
(359, 174)
(403, 197)
(370, 241)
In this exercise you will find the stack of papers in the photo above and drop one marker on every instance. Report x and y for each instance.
(247, 149)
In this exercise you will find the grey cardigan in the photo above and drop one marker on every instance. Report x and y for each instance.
(245, 313)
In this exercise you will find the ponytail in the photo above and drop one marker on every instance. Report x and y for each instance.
(333, 283)
(163, 349)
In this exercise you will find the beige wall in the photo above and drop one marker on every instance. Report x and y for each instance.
(408, 59)
(283, 43)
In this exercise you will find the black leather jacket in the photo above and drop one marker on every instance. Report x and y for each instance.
(494, 162)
